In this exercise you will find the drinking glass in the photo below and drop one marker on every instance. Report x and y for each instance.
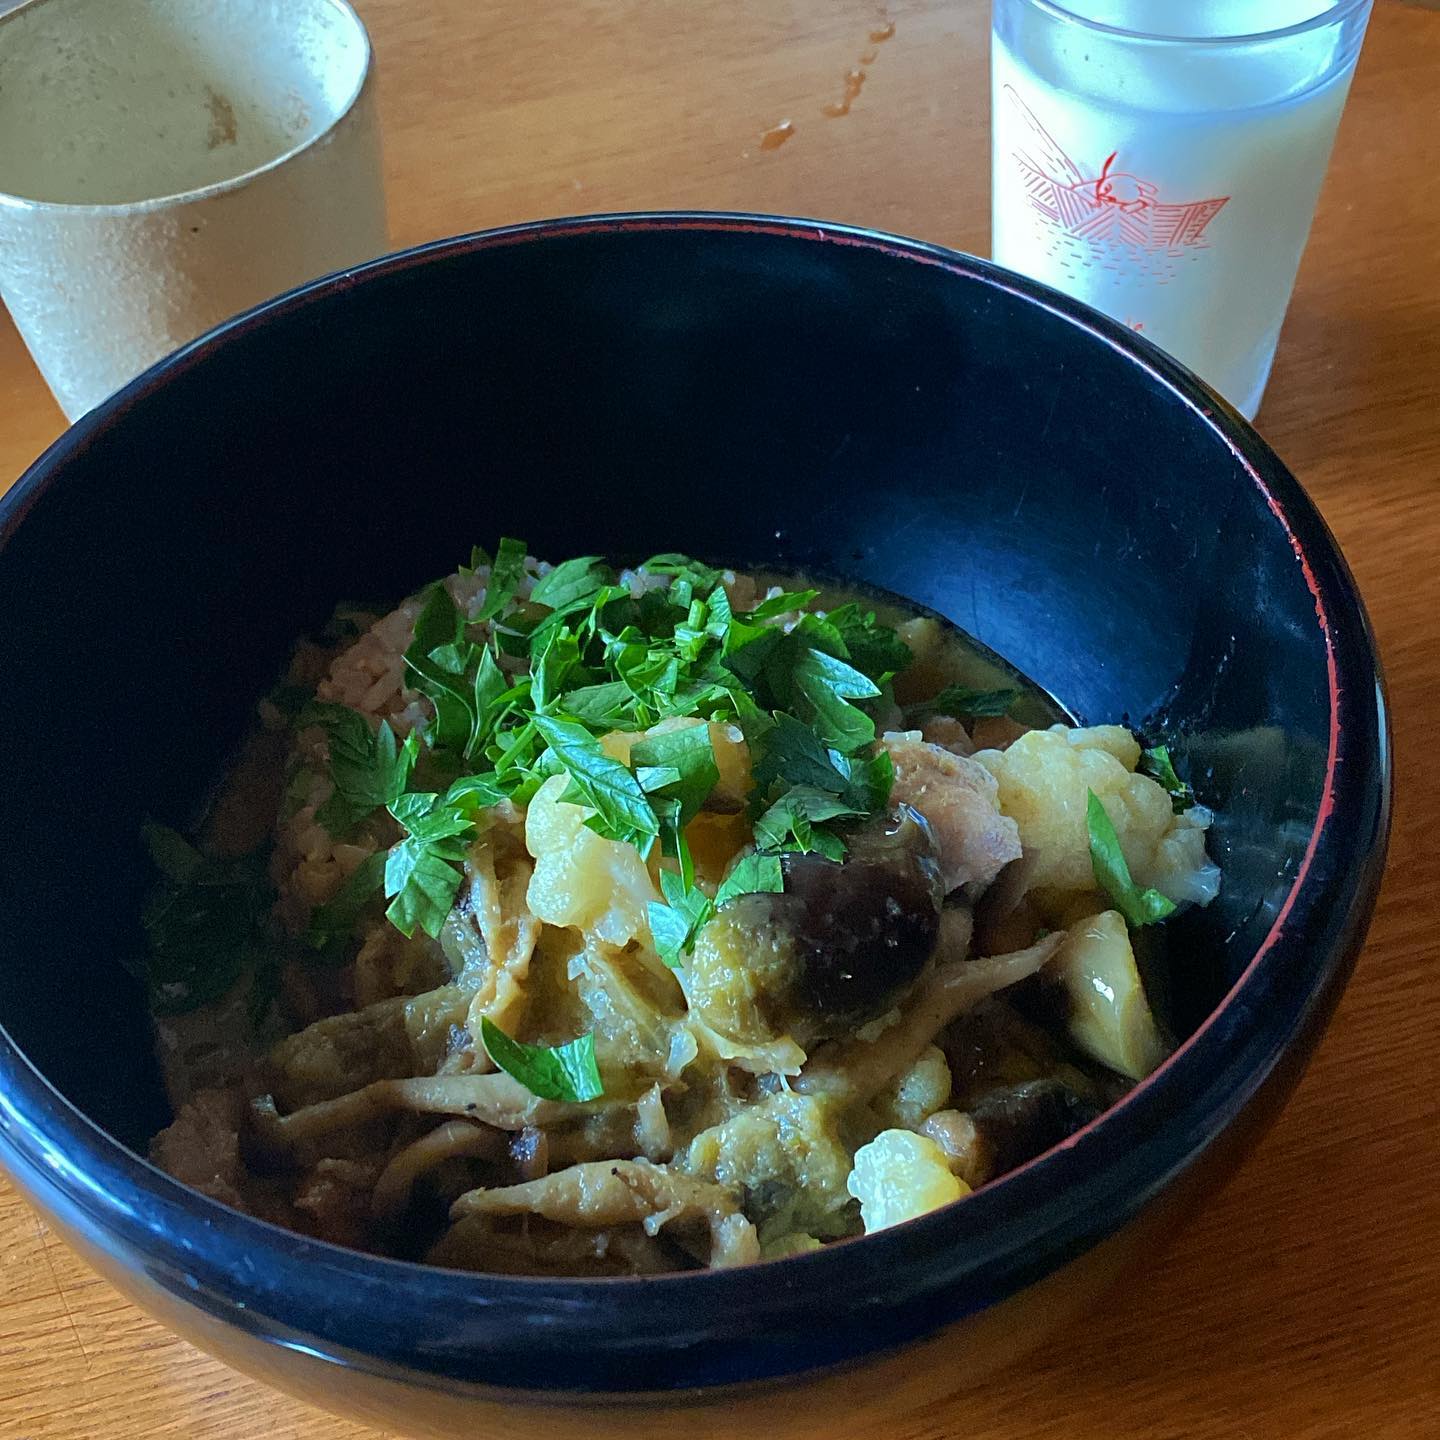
(167, 163)
(1161, 160)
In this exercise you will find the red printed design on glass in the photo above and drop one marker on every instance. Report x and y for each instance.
(1114, 209)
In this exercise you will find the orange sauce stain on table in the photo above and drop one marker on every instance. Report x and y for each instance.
(853, 82)
(855, 79)
(777, 135)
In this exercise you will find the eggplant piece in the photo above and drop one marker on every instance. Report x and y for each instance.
(836, 949)
(1018, 1122)
(996, 1044)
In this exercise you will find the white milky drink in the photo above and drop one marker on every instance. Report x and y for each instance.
(1170, 182)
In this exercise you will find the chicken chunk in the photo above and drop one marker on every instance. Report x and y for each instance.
(948, 733)
(334, 1198)
(959, 798)
(202, 1147)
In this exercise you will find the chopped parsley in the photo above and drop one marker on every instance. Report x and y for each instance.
(963, 703)
(675, 923)
(368, 768)
(677, 772)
(621, 809)
(332, 922)
(553, 1072)
(572, 584)
(422, 871)
(204, 923)
(526, 687)
(1112, 872)
(599, 658)
(755, 874)
(505, 574)
(796, 822)
(1156, 763)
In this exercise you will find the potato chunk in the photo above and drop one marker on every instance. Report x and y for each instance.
(900, 1175)
(581, 879)
(922, 1090)
(1043, 779)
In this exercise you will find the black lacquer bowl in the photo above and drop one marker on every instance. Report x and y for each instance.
(746, 390)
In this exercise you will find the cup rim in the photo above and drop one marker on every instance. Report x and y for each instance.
(152, 203)
(1337, 14)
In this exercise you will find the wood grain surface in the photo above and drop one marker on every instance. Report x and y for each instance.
(1305, 1303)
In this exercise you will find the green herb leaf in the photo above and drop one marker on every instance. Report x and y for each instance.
(829, 684)
(505, 576)
(672, 931)
(789, 824)
(874, 649)
(605, 706)
(439, 623)
(745, 648)
(821, 632)
(963, 703)
(489, 690)
(719, 614)
(689, 754)
(514, 634)
(515, 751)
(173, 855)
(675, 924)
(753, 875)
(789, 750)
(651, 673)
(453, 659)
(621, 810)
(368, 768)
(551, 664)
(432, 657)
(422, 880)
(560, 1072)
(694, 635)
(429, 817)
(1157, 764)
(203, 921)
(1112, 873)
(682, 567)
(869, 779)
(573, 582)
(474, 792)
(332, 922)
(781, 604)
(422, 871)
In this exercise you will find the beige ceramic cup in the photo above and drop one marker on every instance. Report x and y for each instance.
(167, 163)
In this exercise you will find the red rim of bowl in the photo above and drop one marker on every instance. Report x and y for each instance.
(1218, 416)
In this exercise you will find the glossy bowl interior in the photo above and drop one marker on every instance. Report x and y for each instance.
(749, 391)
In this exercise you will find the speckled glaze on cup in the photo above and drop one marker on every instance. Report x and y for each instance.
(165, 164)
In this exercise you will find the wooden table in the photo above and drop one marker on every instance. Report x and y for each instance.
(1305, 1304)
